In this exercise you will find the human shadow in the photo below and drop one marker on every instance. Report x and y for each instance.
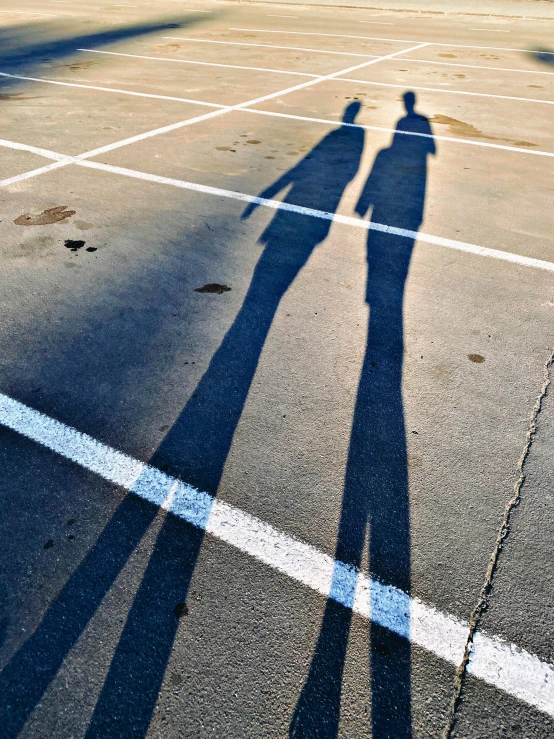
(198, 444)
(195, 450)
(546, 56)
(376, 480)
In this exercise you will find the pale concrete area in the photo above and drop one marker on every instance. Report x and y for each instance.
(366, 391)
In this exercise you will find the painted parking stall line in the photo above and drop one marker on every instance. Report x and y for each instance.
(258, 111)
(493, 660)
(269, 46)
(381, 38)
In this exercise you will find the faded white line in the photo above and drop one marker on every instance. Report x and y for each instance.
(452, 92)
(438, 137)
(35, 150)
(111, 89)
(33, 173)
(490, 30)
(206, 116)
(377, 23)
(493, 660)
(419, 236)
(269, 46)
(379, 38)
(475, 66)
(203, 64)
(21, 12)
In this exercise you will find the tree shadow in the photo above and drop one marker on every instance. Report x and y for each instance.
(25, 48)
(376, 479)
(195, 450)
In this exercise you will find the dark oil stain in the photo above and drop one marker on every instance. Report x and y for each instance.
(460, 128)
(212, 287)
(181, 609)
(402, 70)
(460, 76)
(49, 544)
(71, 521)
(51, 215)
(165, 427)
(292, 153)
(175, 680)
(70, 537)
(76, 66)
(91, 248)
(253, 141)
(269, 157)
(477, 358)
(448, 56)
(537, 87)
(490, 56)
(74, 245)
(224, 148)
(244, 135)
(83, 225)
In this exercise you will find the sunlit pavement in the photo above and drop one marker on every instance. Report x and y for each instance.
(277, 286)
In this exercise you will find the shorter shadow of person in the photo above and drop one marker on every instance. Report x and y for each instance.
(376, 479)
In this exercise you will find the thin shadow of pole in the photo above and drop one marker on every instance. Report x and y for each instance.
(376, 479)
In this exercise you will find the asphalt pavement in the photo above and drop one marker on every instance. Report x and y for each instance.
(277, 291)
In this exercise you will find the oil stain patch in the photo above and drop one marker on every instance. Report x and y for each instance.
(214, 288)
(466, 130)
(477, 358)
(51, 215)
(74, 245)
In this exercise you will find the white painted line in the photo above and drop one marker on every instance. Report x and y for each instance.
(491, 30)
(452, 92)
(437, 137)
(33, 173)
(270, 46)
(35, 150)
(275, 114)
(380, 38)
(418, 236)
(21, 12)
(493, 660)
(220, 111)
(111, 89)
(203, 64)
(475, 66)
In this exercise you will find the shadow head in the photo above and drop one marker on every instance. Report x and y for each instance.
(351, 111)
(409, 99)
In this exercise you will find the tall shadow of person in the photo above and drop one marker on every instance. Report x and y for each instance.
(198, 444)
(195, 450)
(376, 478)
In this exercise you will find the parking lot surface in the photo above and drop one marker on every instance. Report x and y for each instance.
(277, 289)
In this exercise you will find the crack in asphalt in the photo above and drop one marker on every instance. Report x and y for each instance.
(503, 532)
